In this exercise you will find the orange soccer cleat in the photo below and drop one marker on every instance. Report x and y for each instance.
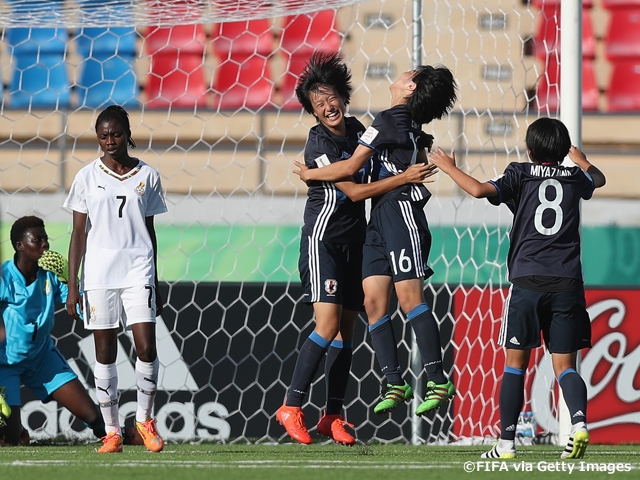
(292, 419)
(152, 440)
(112, 443)
(333, 426)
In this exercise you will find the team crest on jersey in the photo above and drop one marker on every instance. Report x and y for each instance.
(140, 189)
(92, 314)
(47, 287)
(331, 286)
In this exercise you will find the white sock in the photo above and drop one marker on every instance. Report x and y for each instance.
(106, 380)
(506, 445)
(147, 375)
(578, 426)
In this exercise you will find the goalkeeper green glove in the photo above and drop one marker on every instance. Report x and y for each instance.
(5, 409)
(56, 263)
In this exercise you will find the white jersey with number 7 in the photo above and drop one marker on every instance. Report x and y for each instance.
(119, 253)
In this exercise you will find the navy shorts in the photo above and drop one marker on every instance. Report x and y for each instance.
(331, 273)
(561, 317)
(398, 242)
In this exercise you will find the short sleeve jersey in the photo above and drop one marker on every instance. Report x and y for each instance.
(545, 201)
(119, 252)
(28, 312)
(329, 214)
(396, 139)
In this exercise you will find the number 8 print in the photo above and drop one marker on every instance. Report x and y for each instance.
(546, 204)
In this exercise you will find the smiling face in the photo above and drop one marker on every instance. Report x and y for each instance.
(329, 109)
(34, 242)
(112, 138)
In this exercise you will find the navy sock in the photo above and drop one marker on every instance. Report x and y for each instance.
(511, 398)
(386, 348)
(337, 371)
(311, 353)
(98, 428)
(427, 333)
(574, 392)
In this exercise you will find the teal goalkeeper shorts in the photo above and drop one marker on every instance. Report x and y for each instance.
(42, 374)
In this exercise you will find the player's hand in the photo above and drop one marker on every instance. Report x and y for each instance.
(577, 156)
(56, 263)
(74, 304)
(443, 161)
(428, 140)
(420, 173)
(301, 170)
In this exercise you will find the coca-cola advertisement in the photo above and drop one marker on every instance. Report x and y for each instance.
(610, 368)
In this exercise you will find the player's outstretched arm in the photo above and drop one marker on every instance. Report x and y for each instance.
(469, 184)
(76, 251)
(578, 157)
(418, 173)
(341, 170)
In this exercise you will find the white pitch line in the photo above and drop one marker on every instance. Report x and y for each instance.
(254, 464)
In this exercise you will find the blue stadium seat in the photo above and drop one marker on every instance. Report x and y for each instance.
(39, 78)
(107, 70)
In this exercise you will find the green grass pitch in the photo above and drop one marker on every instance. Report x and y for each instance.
(317, 461)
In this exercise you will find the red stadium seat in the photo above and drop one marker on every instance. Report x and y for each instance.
(301, 36)
(248, 37)
(176, 77)
(623, 94)
(540, 4)
(622, 40)
(547, 98)
(547, 36)
(242, 78)
(611, 4)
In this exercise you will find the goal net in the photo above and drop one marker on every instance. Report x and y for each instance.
(209, 86)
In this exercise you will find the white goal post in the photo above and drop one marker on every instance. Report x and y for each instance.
(228, 247)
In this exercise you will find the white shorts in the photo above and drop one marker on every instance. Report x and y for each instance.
(104, 309)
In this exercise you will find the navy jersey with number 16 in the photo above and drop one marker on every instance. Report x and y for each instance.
(545, 200)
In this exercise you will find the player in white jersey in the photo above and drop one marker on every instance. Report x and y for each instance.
(114, 200)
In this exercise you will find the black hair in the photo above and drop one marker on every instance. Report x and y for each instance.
(20, 227)
(548, 140)
(120, 115)
(434, 95)
(325, 69)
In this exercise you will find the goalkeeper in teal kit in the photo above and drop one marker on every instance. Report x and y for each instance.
(29, 293)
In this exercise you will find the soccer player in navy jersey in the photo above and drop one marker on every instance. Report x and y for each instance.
(547, 291)
(28, 356)
(398, 239)
(331, 246)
